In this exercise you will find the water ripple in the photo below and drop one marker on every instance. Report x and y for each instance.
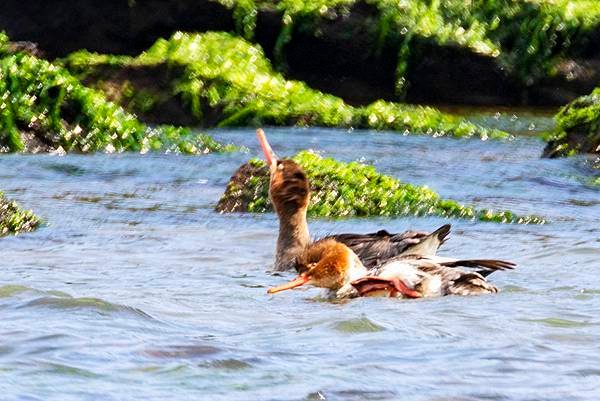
(137, 289)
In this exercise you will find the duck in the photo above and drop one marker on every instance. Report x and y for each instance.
(289, 191)
(332, 265)
(403, 265)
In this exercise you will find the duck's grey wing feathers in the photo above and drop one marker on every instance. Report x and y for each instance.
(376, 248)
(429, 244)
(471, 284)
(456, 281)
(485, 266)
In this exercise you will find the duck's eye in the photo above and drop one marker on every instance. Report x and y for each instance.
(279, 165)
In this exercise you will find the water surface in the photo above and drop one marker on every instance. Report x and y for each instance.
(137, 289)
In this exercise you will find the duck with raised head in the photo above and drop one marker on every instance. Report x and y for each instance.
(349, 265)
(332, 265)
(289, 191)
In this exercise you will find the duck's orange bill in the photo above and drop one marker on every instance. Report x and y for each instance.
(297, 282)
(266, 148)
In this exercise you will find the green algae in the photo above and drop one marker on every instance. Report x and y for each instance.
(4, 44)
(14, 220)
(244, 15)
(227, 81)
(357, 325)
(353, 189)
(577, 127)
(382, 115)
(527, 37)
(44, 99)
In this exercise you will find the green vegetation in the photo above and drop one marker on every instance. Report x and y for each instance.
(353, 189)
(577, 127)
(13, 220)
(527, 37)
(229, 82)
(56, 111)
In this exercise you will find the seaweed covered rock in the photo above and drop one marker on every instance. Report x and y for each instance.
(478, 51)
(463, 51)
(224, 80)
(352, 189)
(14, 220)
(45, 108)
(577, 128)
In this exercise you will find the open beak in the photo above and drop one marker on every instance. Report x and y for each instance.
(270, 156)
(297, 282)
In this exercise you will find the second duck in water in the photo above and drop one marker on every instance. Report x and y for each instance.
(332, 265)
(349, 265)
(289, 191)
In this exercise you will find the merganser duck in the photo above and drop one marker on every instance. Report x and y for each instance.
(290, 194)
(349, 265)
(332, 265)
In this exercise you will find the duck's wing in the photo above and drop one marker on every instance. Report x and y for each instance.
(376, 248)
(441, 279)
(422, 276)
(484, 266)
(470, 284)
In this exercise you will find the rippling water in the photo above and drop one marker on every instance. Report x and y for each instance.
(137, 289)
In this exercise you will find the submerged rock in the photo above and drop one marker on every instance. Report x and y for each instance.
(14, 220)
(43, 108)
(352, 189)
(223, 80)
(577, 128)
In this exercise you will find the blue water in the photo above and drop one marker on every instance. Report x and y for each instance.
(137, 289)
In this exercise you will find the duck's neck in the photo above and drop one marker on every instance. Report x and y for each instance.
(293, 238)
(356, 270)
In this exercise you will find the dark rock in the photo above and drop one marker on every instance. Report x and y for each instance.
(110, 26)
(573, 77)
(14, 220)
(248, 185)
(456, 75)
(129, 84)
(337, 56)
(342, 53)
(577, 128)
(577, 139)
(30, 48)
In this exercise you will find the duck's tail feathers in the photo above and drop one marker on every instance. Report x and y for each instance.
(486, 266)
(429, 245)
(471, 284)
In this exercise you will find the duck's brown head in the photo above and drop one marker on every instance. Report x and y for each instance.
(327, 264)
(289, 189)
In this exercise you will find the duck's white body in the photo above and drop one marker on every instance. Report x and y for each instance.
(430, 276)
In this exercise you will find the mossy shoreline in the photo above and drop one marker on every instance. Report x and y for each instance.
(342, 190)
(14, 220)
(514, 52)
(44, 108)
(530, 52)
(223, 80)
